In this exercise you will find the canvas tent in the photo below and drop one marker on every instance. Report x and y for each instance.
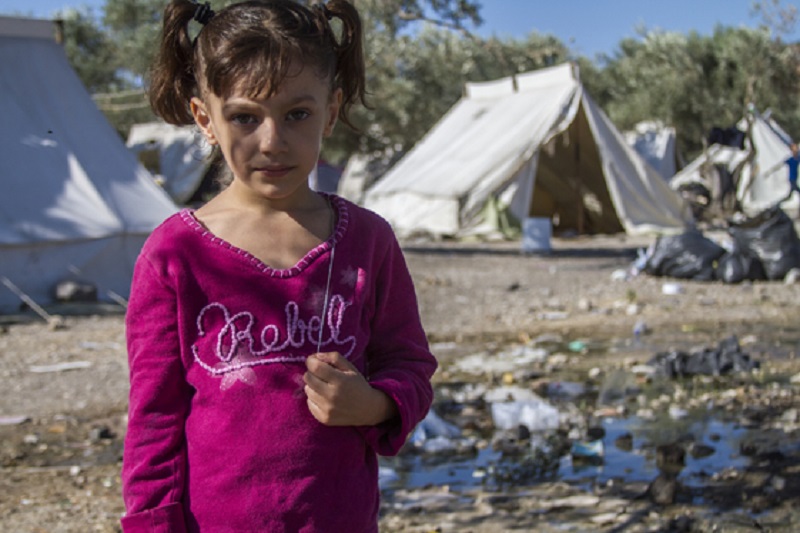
(758, 170)
(75, 204)
(176, 155)
(655, 142)
(536, 145)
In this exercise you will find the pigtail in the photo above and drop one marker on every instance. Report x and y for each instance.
(172, 80)
(350, 71)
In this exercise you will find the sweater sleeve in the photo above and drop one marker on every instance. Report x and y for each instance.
(399, 362)
(153, 468)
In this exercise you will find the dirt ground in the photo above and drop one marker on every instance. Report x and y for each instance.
(65, 390)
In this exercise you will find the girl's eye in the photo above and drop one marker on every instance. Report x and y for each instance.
(297, 114)
(243, 118)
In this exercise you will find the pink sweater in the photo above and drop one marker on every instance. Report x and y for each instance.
(219, 434)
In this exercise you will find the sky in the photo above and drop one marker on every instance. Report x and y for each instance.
(587, 27)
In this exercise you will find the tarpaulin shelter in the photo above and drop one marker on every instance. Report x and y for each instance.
(76, 204)
(757, 169)
(535, 145)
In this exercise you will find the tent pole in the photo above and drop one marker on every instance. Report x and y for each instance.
(53, 320)
(118, 299)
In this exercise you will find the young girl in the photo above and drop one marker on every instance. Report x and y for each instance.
(274, 338)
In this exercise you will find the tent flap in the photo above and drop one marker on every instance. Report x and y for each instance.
(538, 127)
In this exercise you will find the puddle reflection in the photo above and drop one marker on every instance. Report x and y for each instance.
(623, 449)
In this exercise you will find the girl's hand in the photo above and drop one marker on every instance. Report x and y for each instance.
(338, 395)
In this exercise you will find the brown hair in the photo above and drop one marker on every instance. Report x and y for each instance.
(250, 46)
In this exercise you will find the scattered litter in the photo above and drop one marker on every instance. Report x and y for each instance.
(727, 357)
(606, 519)
(508, 361)
(634, 309)
(548, 338)
(535, 414)
(764, 247)
(577, 501)
(689, 255)
(92, 345)
(677, 413)
(617, 386)
(565, 389)
(643, 370)
(435, 426)
(577, 346)
(421, 500)
(509, 394)
(792, 277)
(441, 346)
(619, 275)
(553, 315)
(60, 367)
(434, 435)
(640, 329)
(13, 420)
(591, 450)
(672, 289)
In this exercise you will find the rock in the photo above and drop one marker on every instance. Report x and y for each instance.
(699, 451)
(663, 490)
(101, 433)
(624, 442)
(670, 458)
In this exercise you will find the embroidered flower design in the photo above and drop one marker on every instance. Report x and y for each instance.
(349, 276)
(237, 369)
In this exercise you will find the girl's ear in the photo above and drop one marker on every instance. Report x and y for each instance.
(203, 119)
(333, 112)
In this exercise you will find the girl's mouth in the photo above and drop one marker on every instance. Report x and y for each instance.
(273, 171)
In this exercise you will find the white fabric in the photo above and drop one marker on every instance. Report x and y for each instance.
(76, 204)
(643, 200)
(716, 154)
(488, 140)
(182, 155)
(656, 144)
(767, 182)
(764, 181)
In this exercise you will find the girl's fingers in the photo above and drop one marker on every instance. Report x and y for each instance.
(336, 360)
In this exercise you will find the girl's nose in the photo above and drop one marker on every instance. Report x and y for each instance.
(271, 138)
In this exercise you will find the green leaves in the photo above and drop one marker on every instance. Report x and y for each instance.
(420, 53)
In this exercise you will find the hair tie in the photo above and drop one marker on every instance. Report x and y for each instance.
(325, 11)
(203, 13)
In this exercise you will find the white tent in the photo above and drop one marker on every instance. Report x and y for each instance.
(75, 204)
(767, 181)
(537, 144)
(177, 155)
(655, 142)
(760, 169)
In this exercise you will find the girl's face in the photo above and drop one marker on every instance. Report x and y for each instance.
(272, 144)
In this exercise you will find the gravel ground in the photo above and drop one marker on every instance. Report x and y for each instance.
(60, 460)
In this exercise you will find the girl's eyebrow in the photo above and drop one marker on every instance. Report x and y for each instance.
(243, 102)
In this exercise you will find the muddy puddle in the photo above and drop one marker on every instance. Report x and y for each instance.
(520, 415)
